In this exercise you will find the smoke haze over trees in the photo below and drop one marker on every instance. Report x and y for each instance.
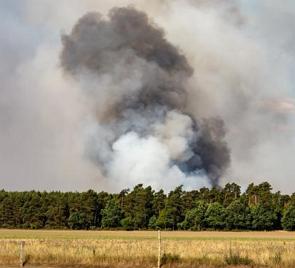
(227, 89)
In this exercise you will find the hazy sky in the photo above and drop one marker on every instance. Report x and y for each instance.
(243, 53)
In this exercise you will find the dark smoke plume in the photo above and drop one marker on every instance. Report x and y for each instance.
(138, 82)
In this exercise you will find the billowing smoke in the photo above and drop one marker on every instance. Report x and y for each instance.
(142, 129)
(232, 59)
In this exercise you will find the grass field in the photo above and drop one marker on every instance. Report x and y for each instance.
(140, 248)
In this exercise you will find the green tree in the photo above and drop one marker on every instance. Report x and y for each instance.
(231, 192)
(138, 207)
(111, 214)
(165, 219)
(7, 217)
(189, 200)
(258, 208)
(32, 214)
(263, 217)
(153, 222)
(174, 208)
(215, 216)
(57, 216)
(77, 220)
(288, 220)
(195, 218)
(259, 194)
(102, 199)
(158, 202)
(238, 215)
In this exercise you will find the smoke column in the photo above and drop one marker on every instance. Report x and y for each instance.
(80, 125)
(142, 127)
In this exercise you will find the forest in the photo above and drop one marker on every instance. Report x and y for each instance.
(142, 208)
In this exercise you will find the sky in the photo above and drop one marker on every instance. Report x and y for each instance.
(243, 55)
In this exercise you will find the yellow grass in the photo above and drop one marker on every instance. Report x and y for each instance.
(182, 235)
(139, 249)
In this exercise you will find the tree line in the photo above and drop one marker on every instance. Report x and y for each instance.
(258, 208)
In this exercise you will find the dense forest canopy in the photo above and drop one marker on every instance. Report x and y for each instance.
(227, 208)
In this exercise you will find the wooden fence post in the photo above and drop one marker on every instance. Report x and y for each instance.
(22, 254)
(159, 249)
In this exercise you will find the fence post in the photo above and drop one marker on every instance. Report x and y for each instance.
(159, 248)
(22, 255)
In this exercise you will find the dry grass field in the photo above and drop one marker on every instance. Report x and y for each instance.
(140, 248)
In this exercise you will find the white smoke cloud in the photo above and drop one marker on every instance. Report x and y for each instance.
(147, 160)
(176, 133)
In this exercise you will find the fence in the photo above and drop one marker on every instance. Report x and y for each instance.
(46, 248)
(151, 249)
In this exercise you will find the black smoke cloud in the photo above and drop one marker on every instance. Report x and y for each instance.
(143, 100)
